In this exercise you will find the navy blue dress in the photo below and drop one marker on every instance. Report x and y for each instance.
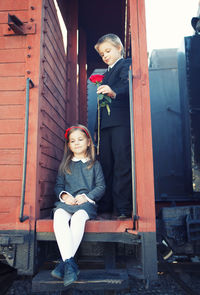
(81, 181)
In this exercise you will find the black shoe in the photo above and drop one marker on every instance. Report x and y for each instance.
(58, 271)
(70, 271)
(123, 216)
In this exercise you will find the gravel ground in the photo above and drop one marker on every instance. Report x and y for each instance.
(165, 285)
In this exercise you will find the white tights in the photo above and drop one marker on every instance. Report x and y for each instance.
(69, 235)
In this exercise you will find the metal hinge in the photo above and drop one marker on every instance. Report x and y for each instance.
(17, 27)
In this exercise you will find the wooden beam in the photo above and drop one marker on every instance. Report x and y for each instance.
(82, 78)
(72, 61)
(142, 119)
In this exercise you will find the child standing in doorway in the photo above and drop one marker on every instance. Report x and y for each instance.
(79, 185)
(115, 144)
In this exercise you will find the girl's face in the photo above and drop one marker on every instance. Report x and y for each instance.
(78, 144)
(109, 53)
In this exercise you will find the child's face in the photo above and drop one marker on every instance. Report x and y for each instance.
(109, 53)
(78, 144)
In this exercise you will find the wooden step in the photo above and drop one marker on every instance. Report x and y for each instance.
(101, 279)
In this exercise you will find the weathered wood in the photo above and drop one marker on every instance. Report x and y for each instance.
(143, 138)
(12, 97)
(11, 126)
(12, 83)
(12, 69)
(72, 60)
(22, 15)
(56, 100)
(55, 35)
(9, 172)
(10, 157)
(10, 141)
(7, 205)
(15, 42)
(11, 111)
(49, 163)
(13, 5)
(12, 55)
(53, 59)
(82, 78)
(10, 188)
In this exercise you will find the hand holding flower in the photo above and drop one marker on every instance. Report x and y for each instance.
(105, 89)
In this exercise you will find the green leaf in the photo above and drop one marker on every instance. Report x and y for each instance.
(108, 109)
(103, 104)
(100, 96)
(108, 98)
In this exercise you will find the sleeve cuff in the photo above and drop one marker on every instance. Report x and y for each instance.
(89, 200)
(60, 194)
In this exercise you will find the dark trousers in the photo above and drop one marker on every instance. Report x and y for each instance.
(115, 158)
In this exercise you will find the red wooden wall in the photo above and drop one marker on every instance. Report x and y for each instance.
(40, 56)
(13, 66)
(52, 106)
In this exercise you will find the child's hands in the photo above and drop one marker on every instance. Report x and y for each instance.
(69, 200)
(80, 199)
(105, 89)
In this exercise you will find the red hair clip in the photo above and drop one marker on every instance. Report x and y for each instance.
(68, 129)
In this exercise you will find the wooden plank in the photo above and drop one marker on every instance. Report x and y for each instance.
(53, 70)
(54, 90)
(47, 201)
(10, 157)
(72, 60)
(8, 42)
(49, 163)
(46, 189)
(51, 150)
(22, 15)
(58, 103)
(10, 172)
(11, 141)
(12, 111)
(14, 5)
(82, 78)
(92, 226)
(56, 38)
(12, 97)
(50, 104)
(12, 83)
(53, 59)
(8, 204)
(46, 174)
(142, 120)
(10, 188)
(12, 55)
(12, 69)
(54, 26)
(10, 126)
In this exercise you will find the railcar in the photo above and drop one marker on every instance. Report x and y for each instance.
(43, 90)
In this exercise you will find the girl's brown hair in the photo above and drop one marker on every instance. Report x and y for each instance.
(68, 155)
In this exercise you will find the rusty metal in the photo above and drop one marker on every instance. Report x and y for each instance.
(17, 27)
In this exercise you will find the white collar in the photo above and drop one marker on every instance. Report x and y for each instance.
(74, 159)
(110, 67)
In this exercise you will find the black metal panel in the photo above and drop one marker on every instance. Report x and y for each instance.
(18, 248)
(172, 168)
(189, 62)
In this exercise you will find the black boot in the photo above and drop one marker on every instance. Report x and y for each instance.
(58, 271)
(70, 271)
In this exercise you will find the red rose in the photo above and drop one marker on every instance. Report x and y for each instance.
(96, 78)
